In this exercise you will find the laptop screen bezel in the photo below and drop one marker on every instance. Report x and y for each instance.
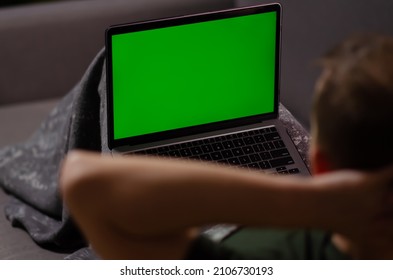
(175, 21)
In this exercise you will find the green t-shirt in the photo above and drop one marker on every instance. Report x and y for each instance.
(268, 244)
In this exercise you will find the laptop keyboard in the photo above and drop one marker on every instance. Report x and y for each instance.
(261, 149)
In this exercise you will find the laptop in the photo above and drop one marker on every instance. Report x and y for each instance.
(203, 87)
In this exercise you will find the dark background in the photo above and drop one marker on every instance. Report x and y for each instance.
(310, 27)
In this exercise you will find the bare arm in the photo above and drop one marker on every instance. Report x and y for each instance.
(149, 203)
(159, 196)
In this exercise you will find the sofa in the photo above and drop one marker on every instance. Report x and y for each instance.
(45, 49)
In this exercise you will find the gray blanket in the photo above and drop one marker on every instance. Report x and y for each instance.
(30, 171)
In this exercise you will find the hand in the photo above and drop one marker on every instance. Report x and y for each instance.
(360, 211)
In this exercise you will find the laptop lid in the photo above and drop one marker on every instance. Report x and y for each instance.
(180, 76)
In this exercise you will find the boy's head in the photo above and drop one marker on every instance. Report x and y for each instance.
(352, 116)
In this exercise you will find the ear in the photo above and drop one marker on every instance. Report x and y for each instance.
(319, 161)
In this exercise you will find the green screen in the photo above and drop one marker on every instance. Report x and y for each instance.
(193, 74)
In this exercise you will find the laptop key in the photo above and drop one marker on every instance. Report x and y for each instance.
(255, 158)
(264, 165)
(281, 161)
(183, 145)
(238, 142)
(272, 136)
(196, 151)
(233, 161)
(258, 148)
(244, 160)
(294, 171)
(207, 148)
(259, 138)
(217, 147)
(237, 152)
(185, 153)
(248, 150)
(262, 130)
(265, 155)
(279, 153)
(227, 154)
(216, 156)
(249, 140)
(279, 144)
(228, 145)
(282, 168)
(268, 146)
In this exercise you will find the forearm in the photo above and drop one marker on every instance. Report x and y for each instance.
(214, 195)
(156, 197)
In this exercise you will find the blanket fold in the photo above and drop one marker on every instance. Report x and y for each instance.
(29, 171)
